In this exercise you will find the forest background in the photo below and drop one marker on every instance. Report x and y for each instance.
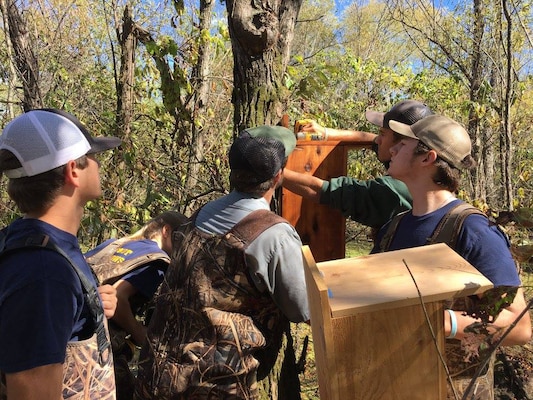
(160, 76)
(176, 80)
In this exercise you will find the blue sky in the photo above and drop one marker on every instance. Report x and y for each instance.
(341, 4)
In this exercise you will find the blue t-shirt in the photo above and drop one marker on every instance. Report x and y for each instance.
(482, 244)
(147, 278)
(42, 306)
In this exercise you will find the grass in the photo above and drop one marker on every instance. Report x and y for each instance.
(358, 248)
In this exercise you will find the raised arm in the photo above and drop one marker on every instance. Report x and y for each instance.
(338, 134)
(307, 186)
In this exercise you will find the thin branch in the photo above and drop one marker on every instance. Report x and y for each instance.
(493, 348)
(434, 337)
(522, 24)
(298, 21)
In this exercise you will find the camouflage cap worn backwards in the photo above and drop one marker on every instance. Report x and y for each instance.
(280, 133)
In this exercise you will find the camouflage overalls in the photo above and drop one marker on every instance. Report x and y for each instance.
(88, 366)
(212, 331)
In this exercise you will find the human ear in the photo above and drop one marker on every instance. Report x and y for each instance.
(431, 157)
(72, 173)
(276, 180)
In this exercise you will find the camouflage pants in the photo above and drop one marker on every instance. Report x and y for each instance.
(483, 388)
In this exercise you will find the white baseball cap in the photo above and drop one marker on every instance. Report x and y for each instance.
(45, 139)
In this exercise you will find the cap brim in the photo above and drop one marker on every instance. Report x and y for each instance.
(375, 117)
(103, 143)
(402, 129)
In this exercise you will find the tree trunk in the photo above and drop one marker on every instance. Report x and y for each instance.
(12, 77)
(25, 60)
(124, 82)
(261, 34)
(200, 83)
(474, 125)
(509, 78)
(128, 44)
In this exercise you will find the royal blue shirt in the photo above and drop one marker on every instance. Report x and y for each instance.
(42, 305)
(481, 243)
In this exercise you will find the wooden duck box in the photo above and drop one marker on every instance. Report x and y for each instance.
(377, 334)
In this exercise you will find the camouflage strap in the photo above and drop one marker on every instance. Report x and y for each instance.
(41, 241)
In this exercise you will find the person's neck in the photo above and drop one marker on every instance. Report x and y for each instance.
(62, 215)
(430, 201)
(269, 194)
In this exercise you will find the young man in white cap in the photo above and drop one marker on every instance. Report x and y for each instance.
(52, 325)
(429, 159)
(370, 202)
(232, 286)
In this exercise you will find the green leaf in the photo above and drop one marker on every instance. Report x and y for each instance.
(493, 301)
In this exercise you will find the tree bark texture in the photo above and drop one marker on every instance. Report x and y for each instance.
(128, 44)
(475, 80)
(12, 77)
(508, 98)
(25, 59)
(200, 82)
(261, 33)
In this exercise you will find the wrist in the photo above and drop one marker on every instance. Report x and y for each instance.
(453, 324)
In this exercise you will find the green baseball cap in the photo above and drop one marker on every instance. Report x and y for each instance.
(284, 135)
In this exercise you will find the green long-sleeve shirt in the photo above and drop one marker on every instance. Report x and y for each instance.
(371, 202)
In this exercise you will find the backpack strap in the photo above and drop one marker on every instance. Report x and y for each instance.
(41, 241)
(255, 223)
(447, 230)
(449, 227)
(391, 230)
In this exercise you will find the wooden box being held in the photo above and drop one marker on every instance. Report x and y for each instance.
(377, 334)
